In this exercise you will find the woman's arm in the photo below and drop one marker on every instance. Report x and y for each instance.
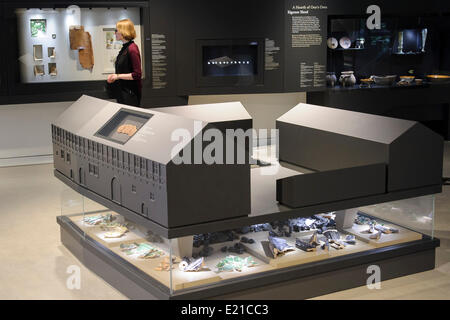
(122, 76)
(125, 76)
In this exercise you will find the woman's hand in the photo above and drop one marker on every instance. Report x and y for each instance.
(112, 78)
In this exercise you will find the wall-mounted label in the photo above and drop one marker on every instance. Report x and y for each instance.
(159, 61)
(305, 59)
(271, 55)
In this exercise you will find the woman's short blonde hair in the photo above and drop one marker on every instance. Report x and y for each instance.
(126, 28)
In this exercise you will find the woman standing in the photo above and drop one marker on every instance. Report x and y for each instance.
(127, 67)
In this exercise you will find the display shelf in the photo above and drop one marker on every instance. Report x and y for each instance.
(348, 49)
(404, 235)
(259, 251)
(98, 234)
(180, 279)
(408, 53)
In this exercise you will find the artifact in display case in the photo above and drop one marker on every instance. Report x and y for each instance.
(51, 52)
(37, 52)
(38, 70)
(410, 41)
(438, 78)
(404, 46)
(127, 158)
(111, 50)
(81, 40)
(237, 61)
(38, 27)
(52, 69)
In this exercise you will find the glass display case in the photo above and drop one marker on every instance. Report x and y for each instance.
(70, 44)
(405, 51)
(291, 213)
(200, 261)
(230, 62)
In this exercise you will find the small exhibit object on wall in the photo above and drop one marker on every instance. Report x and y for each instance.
(38, 27)
(81, 40)
(110, 51)
(51, 52)
(52, 69)
(39, 70)
(332, 43)
(37, 52)
(345, 42)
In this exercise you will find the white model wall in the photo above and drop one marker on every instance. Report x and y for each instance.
(25, 128)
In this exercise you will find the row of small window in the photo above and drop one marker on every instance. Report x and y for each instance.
(93, 169)
(64, 155)
(117, 158)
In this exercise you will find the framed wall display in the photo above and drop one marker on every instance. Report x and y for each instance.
(230, 62)
(38, 27)
(45, 36)
(111, 48)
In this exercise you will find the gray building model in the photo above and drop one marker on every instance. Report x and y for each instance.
(127, 156)
(354, 154)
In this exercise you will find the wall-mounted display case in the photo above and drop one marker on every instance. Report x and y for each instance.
(406, 48)
(71, 31)
(75, 44)
(230, 62)
(399, 70)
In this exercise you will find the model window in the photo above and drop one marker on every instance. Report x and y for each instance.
(100, 150)
(148, 165)
(136, 164)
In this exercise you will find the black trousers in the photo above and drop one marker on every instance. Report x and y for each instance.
(128, 97)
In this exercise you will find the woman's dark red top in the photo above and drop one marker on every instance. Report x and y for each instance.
(129, 61)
